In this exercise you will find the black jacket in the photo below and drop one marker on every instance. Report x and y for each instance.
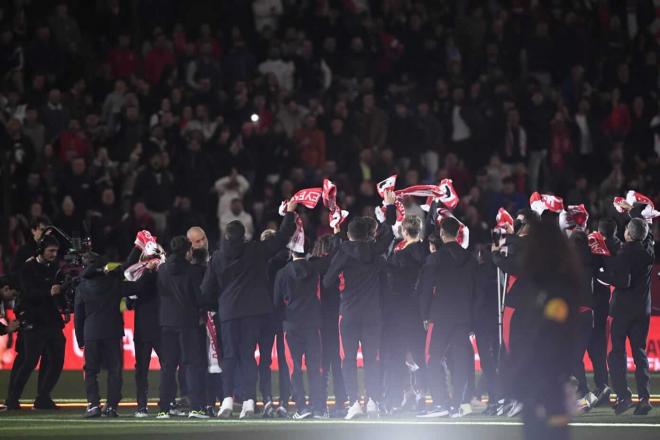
(146, 306)
(96, 311)
(511, 264)
(447, 285)
(35, 299)
(357, 270)
(238, 274)
(630, 274)
(274, 265)
(179, 293)
(298, 292)
(581, 245)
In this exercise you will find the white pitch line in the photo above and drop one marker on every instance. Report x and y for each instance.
(137, 423)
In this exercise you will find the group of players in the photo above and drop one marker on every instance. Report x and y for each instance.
(405, 293)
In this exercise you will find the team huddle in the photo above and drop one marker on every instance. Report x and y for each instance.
(404, 292)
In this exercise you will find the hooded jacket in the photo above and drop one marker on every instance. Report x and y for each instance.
(447, 285)
(238, 274)
(178, 287)
(97, 313)
(357, 270)
(298, 292)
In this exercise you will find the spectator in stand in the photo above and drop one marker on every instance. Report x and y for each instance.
(283, 70)
(267, 14)
(124, 62)
(54, 116)
(372, 124)
(311, 144)
(233, 186)
(155, 186)
(514, 149)
(158, 57)
(236, 212)
(73, 143)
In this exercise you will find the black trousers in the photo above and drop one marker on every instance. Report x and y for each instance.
(331, 361)
(187, 344)
(368, 336)
(272, 334)
(106, 353)
(143, 351)
(598, 342)
(239, 341)
(636, 329)
(450, 342)
(46, 344)
(584, 328)
(486, 334)
(306, 342)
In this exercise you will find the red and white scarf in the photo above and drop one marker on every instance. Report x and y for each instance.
(574, 217)
(463, 237)
(503, 219)
(541, 202)
(308, 198)
(151, 251)
(337, 215)
(597, 244)
(623, 205)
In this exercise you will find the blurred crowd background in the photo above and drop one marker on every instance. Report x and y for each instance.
(122, 115)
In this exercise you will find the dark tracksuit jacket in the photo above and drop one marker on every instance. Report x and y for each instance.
(630, 274)
(357, 270)
(447, 287)
(601, 305)
(182, 335)
(237, 278)
(298, 294)
(99, 327)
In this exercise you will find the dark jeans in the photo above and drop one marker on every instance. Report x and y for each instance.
(48, 345)
(187, 344)
(598, 342)
(106, 353)
(239, 341)
(368, 335)
(636, 329)
(584, 327)
(450, 342)
(306, 342)
(272, 331)
(142, 359)
(332, 360)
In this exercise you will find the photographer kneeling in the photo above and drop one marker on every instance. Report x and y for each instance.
(41, 326)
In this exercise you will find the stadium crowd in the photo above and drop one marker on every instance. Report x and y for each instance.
(163, 116)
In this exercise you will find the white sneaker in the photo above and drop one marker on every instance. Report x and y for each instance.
(516, 409)
(464, 410)
(354, 411)
(372, 409)
(248, 409)
(591, 399)
(226, 408)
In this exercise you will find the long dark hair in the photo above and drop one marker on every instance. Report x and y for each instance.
(550, 261)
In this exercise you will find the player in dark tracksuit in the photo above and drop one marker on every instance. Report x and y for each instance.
(237, 278)
(99, 328)
(272, 334)
(404, 330)
(585, 317)
(182, 336)
(630, 274)
(447, 286)
(331, 361)
(298, 292)
(601, 305)
(485, 326)
(357, 269)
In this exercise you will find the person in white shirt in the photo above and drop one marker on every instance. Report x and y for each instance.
(283, 70)
(236, 212)
(266, 13)
(229, 188)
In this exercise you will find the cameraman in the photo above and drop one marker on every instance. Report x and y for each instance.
(29, 249)
(41, 326)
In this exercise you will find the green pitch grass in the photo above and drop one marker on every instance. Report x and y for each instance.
(67, 423)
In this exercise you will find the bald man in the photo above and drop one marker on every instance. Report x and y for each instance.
(197, 238)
